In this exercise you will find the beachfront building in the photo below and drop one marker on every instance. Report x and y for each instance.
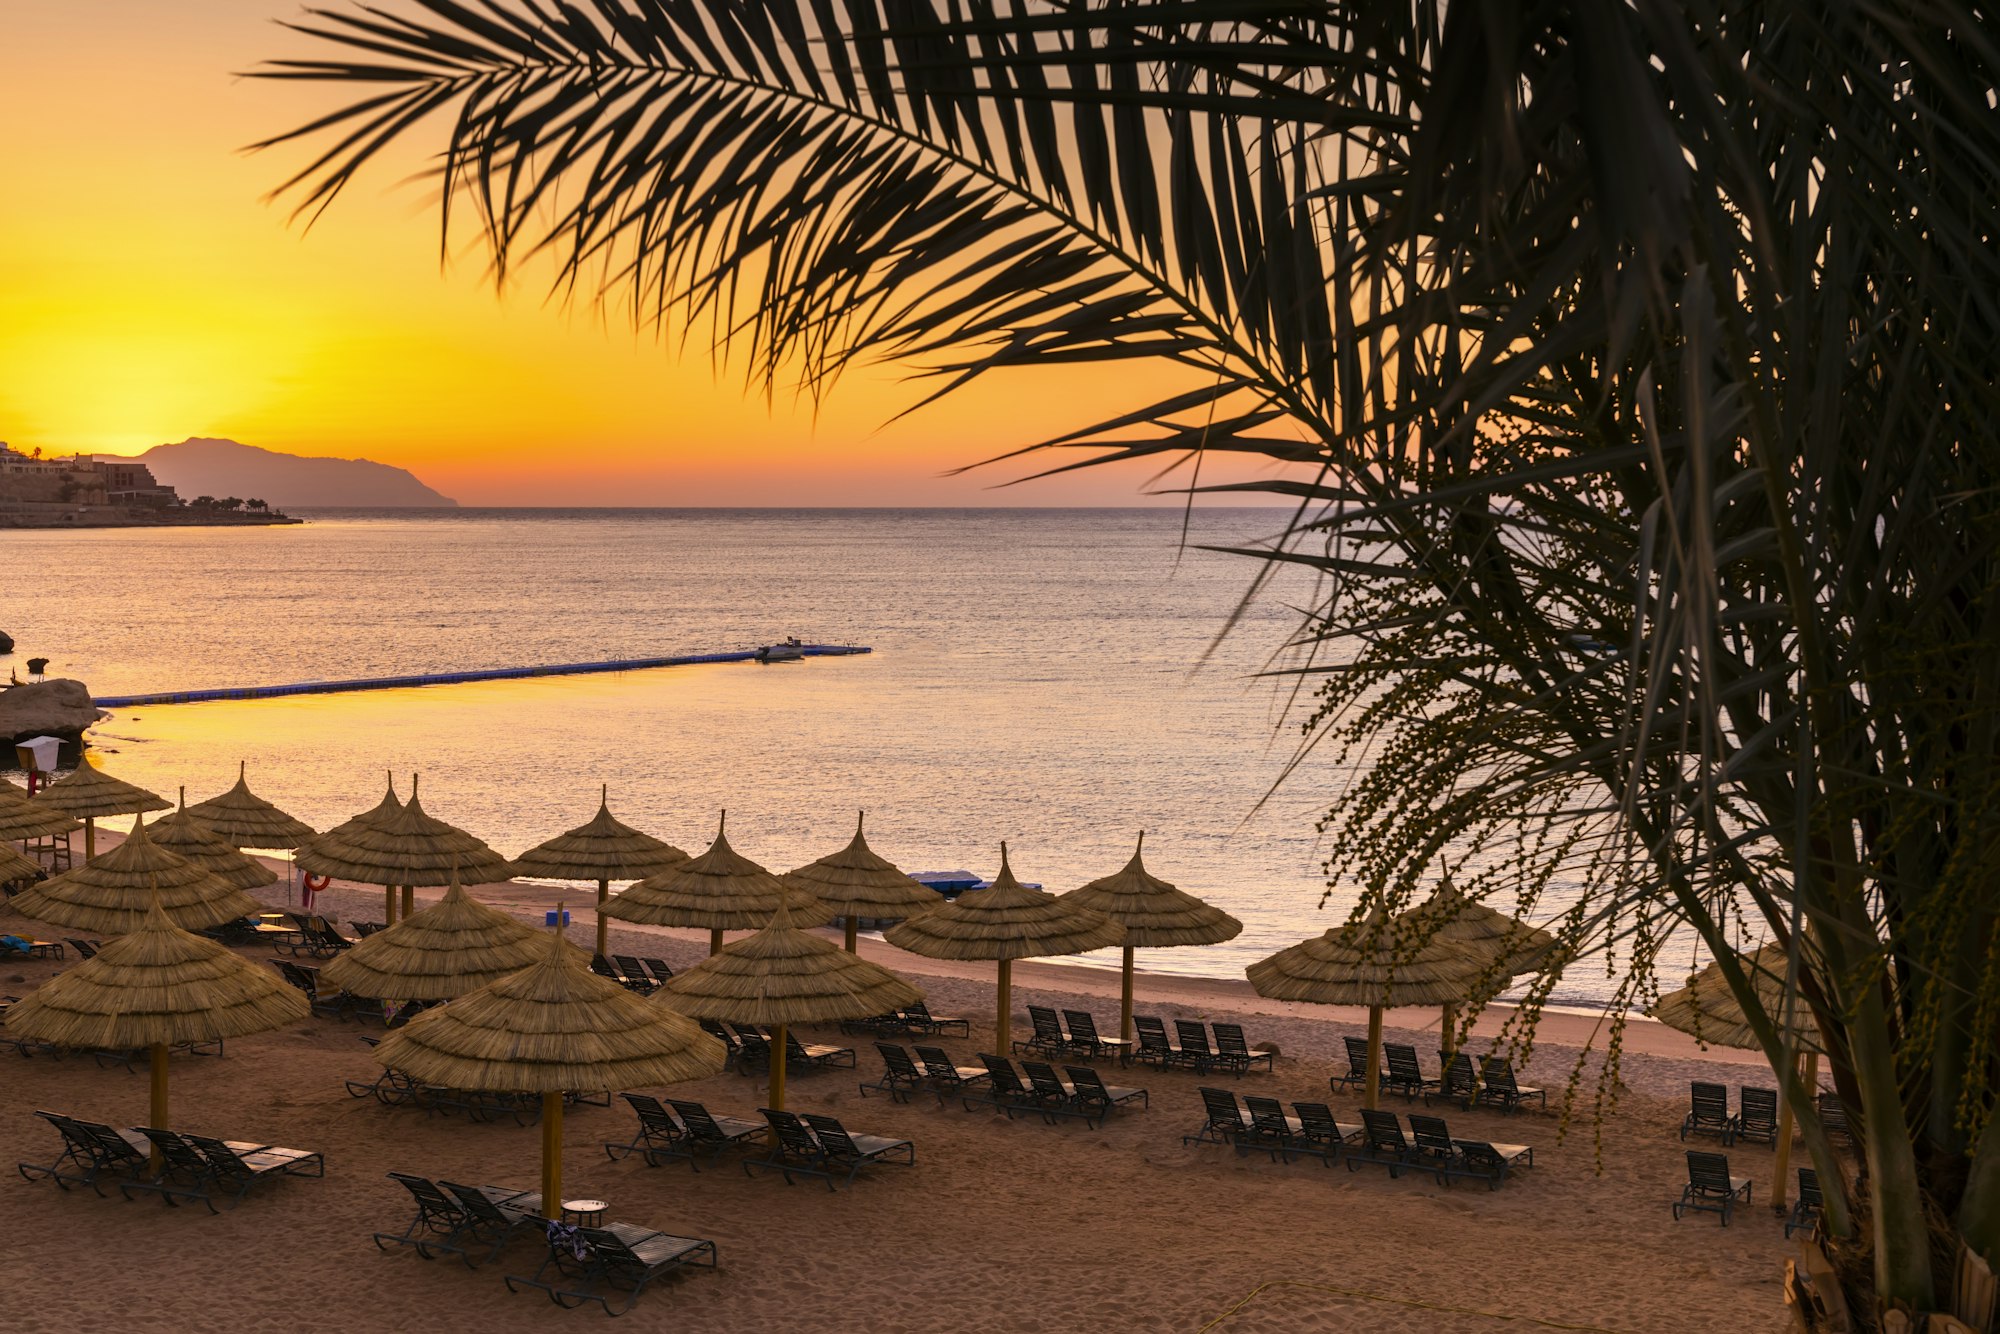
(30, 484)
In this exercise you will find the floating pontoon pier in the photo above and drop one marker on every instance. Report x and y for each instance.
(460, 678)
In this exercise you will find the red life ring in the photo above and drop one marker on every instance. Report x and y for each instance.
(315, 883)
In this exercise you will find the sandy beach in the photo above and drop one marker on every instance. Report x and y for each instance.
(1014, 1226)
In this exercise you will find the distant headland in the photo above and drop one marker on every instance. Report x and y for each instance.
(289, 481)
(196, 482)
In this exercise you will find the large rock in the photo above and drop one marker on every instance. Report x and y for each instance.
(47, 708)
(6, 642)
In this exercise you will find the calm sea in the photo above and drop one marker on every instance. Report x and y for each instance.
(1048, 677)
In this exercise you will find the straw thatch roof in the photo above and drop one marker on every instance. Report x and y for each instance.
(1006, 921)
(553, 1027)
(13, 866)
(249, 821)
(90, 794)
(783, 975)
(1153, 912)
(1448, 915)
(156, 984)
(110, 894)
(721, 890)
(603, 849)
(1373, 963)
(404, 846)
(21, 817)
(1706, 1009)
(855, 882)
(185, 835)
(456, 945)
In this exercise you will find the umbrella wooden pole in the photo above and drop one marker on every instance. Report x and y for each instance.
(1448, 1033)
(603, 923)
(1003, 1028)
(552, 1110)
(778, 1047)
(409, 899)
(388, 905)
(715, 941)
(159, 1108)
(1125, 1000)
(851, 926)
(90, 840)
(1782, 1168)
(1371, 1092)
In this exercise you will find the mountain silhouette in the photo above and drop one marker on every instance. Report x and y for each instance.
(200, 467)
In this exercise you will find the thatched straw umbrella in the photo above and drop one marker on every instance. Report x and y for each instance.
(604, 849)
(1708, 1011)
(404, 847)
(1154, 914)
(721, 890)
(153, 987)
(1005, 922)
(856, 883)
(783, 976)
(1376, 963)
(553, 1028)
(249, 821)
(187, 836)
(1514, 946)
(456, 945)
(347, 829)
(13, 866)
(23, 818)
(112, 894)
(90, 794)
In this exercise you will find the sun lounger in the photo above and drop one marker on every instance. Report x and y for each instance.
(900, 1075)
(1496, 1085)
(843, 1147)
(1048, 1039)
(1090, 1090)
(659, 1134)
(1003, 1091)
(1273, 1125)
(491, 1216)
(1087, 1042)
(1709, 1114)
(320, 940)
(1226, 1123)
(1757, 1117)
(921, 1020)
(1320, 1134)
(805, 1056)
(1382, 1143)
(1403, 1074)
(1233, 1051)
(196, 1167)
(633, 975)
(1807, 1209)
(92, 1152)
(438, 1214)
(1191, 1036)
(604, 968)
(947, 1076)
(84, 948)
(1357, 1066)
(1710, 1188)
(1057, 1096)
(1154, 1045)
(891, 1023)
(611, 1265)
(1484, 1160)
(711, 1135)
(1457, 1080)
(658, 969)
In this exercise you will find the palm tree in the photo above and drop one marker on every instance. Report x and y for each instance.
(1630, 368)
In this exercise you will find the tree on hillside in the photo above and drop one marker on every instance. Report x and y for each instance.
(1629, 367)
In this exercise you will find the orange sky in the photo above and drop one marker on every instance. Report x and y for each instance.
(147, 294)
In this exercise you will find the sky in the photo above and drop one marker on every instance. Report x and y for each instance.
(149, 292)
